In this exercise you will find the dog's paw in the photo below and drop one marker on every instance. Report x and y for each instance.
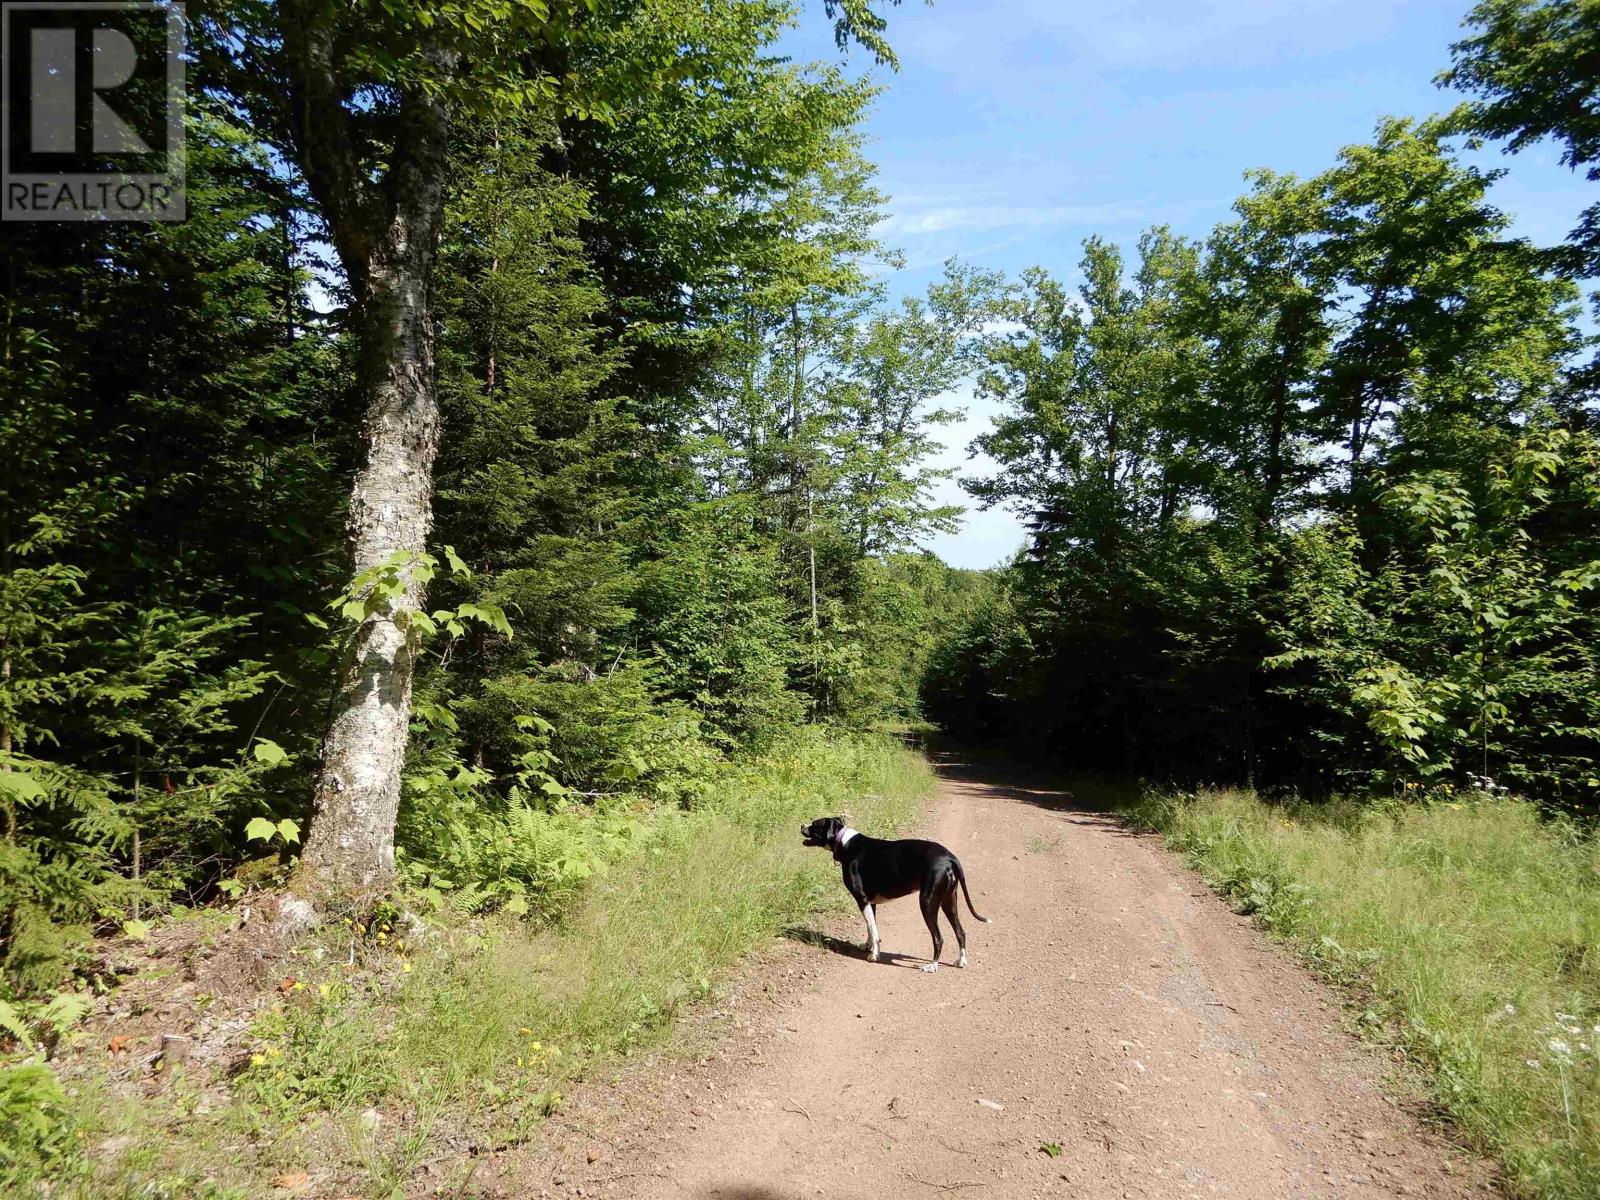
(930, 967)
(962, 961)
(872, 956)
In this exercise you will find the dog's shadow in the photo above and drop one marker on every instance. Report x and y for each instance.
(826, 941)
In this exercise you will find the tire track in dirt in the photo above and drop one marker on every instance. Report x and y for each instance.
(1114, 1008)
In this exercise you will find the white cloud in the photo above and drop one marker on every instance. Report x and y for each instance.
(943, 219)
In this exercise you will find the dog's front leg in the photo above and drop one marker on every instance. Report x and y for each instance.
(872, 932)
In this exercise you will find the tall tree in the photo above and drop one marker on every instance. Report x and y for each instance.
(1535, 66)
(361, 99)
(1089, 436)
(1428, 296)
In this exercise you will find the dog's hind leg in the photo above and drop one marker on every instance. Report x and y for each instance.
(872, 932)
(955, 923)
(930, 914)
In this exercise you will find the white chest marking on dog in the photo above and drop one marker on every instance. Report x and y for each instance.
(845, 835)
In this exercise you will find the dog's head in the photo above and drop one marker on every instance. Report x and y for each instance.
(821, 832)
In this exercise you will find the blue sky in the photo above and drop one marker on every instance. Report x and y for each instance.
(1016, 128)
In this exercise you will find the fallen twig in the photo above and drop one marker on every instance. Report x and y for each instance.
(944, 1187)
(795, 1108)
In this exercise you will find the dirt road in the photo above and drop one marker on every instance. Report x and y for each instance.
(1114, 1009)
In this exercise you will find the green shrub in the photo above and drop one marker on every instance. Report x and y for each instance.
(694, 890)
(37, 1133)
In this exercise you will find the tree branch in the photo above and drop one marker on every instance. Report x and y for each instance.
(324, 136)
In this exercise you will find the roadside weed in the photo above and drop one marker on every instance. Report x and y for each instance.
(1470, 928)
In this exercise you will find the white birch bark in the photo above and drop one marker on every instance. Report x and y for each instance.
(350, 846)
(386, 231)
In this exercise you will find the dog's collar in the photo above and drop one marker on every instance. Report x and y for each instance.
(842, 838)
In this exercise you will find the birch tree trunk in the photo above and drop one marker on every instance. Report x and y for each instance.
(350, 847)
(386, 231)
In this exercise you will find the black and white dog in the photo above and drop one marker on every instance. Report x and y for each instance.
(876, 870)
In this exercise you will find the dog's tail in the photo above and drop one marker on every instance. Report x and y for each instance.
(961, 875)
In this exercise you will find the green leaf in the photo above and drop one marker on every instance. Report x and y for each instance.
(259, 830)
(22, 787)
(65, 1010)
(289, 830)
(1053, 1149)
(269, 752)
(494, 616)
(517, 905)
(11, 1022)
(137, 930)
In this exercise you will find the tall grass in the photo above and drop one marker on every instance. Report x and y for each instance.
(1469, 929)
(375, 1055)
(658, 929)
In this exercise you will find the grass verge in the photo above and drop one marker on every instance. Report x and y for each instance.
(1470, 933)
(376, 1061)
